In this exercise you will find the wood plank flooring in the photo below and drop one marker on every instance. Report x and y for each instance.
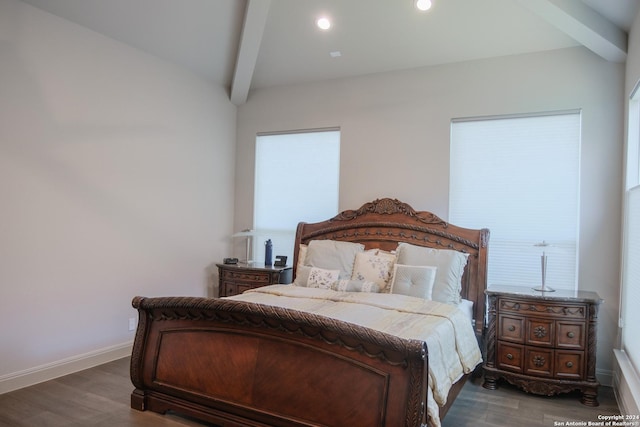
(100, 397)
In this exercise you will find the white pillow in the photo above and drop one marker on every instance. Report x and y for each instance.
(413, 280)
(450, 264)
(374, 266)
(321, 278)
(333, 255)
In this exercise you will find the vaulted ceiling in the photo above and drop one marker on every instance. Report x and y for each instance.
(249, 44)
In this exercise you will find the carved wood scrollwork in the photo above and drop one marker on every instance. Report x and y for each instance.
(350, 336)
(567, 311)
(388, 206)
(539, 361)
(540, 332)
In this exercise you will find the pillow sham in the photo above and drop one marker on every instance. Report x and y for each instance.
(374, 266)
(322, 278)
(302, 255)
(413, 280)
(302, 275)
(355, 286)
(450, 267)
(333, 255)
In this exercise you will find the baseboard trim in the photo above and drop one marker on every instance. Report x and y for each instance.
(604, 377)
(49, 371)
(627, 384)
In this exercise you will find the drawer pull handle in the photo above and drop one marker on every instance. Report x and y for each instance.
(509, 356)
(569, 364)
(512, 328)
(571, 334)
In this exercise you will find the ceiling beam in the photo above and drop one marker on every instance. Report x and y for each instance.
(584, 25)
(255, 19)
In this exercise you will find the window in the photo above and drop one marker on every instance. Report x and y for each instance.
(631, 277)
(630, 292)
(519, 177)
(633, 143)
(296, 179)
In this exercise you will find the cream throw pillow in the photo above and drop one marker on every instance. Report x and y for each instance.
(302, 255)
(450, 264)
(302, 275)
(355, 286)
(333, 255)
(321, 278)
(413, 280)
(374, 266)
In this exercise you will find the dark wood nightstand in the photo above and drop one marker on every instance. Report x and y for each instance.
(544, 343)
(237, 278)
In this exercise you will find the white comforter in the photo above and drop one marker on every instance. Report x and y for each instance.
(453, 349)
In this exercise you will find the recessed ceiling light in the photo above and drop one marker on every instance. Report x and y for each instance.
(323, 23)
(335, 54)
(423, 5)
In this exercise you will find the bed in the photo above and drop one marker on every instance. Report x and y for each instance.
(327, 355)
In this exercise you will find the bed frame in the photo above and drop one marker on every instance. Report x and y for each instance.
(233, 363)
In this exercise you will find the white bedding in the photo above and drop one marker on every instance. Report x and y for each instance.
(466, 307)
(453, 349)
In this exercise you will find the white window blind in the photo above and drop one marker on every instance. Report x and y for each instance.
(632, 177)
(519, 177)
(296, 179)
(631, 278)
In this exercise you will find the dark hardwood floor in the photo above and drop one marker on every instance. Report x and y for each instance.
(510, 407)
(100, 397)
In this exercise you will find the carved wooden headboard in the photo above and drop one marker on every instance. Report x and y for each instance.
(386, 222)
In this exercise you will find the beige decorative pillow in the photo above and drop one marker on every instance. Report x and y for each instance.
(321, 278)
(413, 280)
(355, 286)
(302, 255)
(374, 266)
(333, 255)
(450, 264)
(302, 275)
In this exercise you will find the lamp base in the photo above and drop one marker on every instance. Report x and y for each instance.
(543, 289)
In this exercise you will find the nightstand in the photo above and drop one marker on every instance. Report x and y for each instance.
(544, 343)
(237, 278)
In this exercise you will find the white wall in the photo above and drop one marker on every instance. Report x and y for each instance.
(395, 141)
(116, 180)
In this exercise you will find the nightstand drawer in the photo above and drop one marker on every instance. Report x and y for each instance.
(569, 364)
(539, 362)
(540, 332)
(546, 309)
(511, 328)
(230, 288)
(510, 356)
(570, 335)
(259, 278)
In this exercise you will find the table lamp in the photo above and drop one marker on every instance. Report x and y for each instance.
(543, 263)
(249, 236)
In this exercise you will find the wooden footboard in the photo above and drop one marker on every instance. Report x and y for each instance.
(238, 364)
